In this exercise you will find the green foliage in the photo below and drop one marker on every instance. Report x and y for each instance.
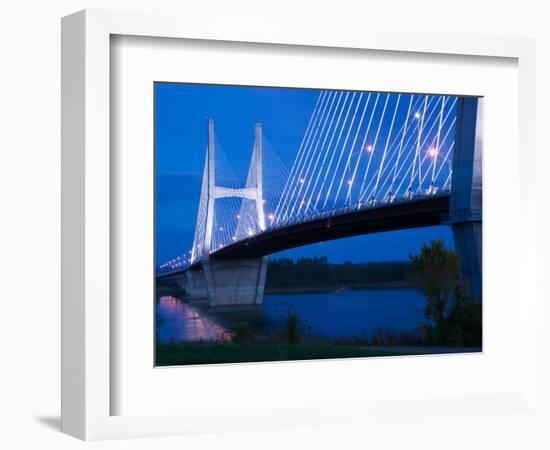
(465, 320)
(243, 333)
(452, 317)
(294, 328)
(216, 352)
(287, 273)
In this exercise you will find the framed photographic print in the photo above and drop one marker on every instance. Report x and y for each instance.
(280, 263)
(291, 214)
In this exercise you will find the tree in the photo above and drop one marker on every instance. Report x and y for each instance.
(453, 318)
(436, 272)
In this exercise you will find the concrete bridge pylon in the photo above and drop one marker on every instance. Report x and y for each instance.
(227, 282)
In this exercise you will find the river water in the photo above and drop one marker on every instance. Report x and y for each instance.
(347, 314)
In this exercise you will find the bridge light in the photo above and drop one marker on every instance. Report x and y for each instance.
(417, 115)
(370, 148)
(301, 181)
(238, 216)
(432, 152)
(271, 216)
(350, 182)
(221, 228)
(250, 232)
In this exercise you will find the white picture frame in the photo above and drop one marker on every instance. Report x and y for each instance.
(87, 385)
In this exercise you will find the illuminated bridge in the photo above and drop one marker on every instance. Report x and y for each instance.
(367, 163)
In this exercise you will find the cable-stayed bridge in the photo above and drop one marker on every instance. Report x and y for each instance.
(368, 162)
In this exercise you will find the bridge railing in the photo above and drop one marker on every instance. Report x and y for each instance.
(354, 207)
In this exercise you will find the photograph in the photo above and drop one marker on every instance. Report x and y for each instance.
(305, 224)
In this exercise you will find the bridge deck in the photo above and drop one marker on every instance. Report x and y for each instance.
(423, 212)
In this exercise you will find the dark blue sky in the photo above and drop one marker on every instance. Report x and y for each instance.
(181, 112)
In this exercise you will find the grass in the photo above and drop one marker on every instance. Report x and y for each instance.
(176, 354)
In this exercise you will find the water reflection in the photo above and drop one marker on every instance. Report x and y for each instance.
(179, 321)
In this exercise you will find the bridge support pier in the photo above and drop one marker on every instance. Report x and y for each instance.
(465, 215)
(468, 243)
(235, 282)
(195, 284)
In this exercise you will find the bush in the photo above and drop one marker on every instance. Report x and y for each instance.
(243, 333)
(465, 320)
(294, 328)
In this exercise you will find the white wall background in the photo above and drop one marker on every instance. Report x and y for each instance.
(30, 200)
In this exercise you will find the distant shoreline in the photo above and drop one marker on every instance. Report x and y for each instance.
(326, 289)
(162, 289)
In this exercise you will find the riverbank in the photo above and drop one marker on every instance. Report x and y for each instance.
(177, 354)
(332, 288)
